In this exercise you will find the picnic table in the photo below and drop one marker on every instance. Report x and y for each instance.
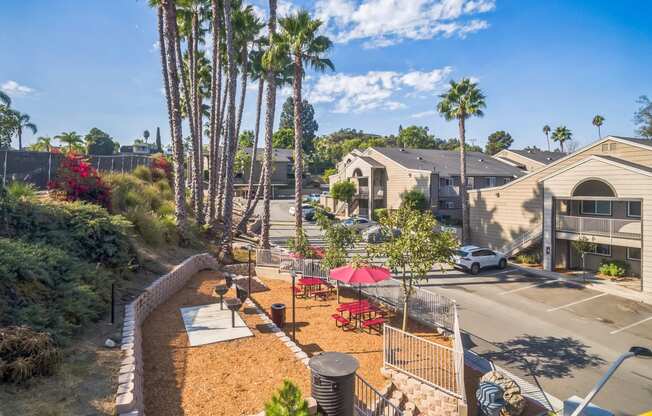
(310, 284)
(362, 314)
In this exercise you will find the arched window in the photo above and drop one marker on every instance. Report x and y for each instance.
(357, 172)
(594, 187)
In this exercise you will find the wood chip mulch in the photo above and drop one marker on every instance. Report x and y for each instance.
(316, 331)
(227, 378)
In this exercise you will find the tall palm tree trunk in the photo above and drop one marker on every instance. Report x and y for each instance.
(20, 138)
(216, 86)
(269, 127)
(466, 235)
(231, 140)
(240, 228)
(197, 177)
(548, 140)
(298, 151)
(254, 150)
(164, 49)
(243, 89)
(221, 132)
(171, 67)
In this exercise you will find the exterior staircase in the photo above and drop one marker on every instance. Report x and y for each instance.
(524, 240)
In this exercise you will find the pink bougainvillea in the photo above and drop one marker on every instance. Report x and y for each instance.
(77, 180)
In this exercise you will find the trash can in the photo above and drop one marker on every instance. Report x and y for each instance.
(333, 382)
(278, 314)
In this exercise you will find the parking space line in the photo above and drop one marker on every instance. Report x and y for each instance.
(630, 326)
(504, 271)
(577, 302)
(530, 286)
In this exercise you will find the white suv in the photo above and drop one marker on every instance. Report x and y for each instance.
(473, 259)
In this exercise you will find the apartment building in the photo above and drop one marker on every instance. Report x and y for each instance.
(602, 192)
(528, 160)
(382, 174)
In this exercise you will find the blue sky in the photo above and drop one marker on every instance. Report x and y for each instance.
(78, 64)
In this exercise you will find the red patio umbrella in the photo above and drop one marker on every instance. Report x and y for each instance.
(366, 274)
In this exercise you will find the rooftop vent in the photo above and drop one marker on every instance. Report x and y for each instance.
(402, 150)
(548, 158)
(480, 160)
(419, 157)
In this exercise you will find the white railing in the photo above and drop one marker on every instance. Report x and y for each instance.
(427, 361)
(458, 349)
(608, 227)
(368, 401)
(449, 190)
(534, 233)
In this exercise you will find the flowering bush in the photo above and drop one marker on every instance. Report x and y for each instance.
(77, 180)
(161, 164)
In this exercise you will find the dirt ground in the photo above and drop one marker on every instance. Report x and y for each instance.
(227, 378)
(87, 380)
(316, 331)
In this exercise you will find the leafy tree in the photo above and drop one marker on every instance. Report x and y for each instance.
(331, 148)
(454, 144)
(241, 161)
(561, 135)
(5, 99)
(416, 137)
(8, 126)
(343, 191)
(643, 117)
(287, 402)
(414, 199)
(246, 139)
(462, 101)
(598, 120)
(283, 139)
(532, 149)
(546, 131)
(583, 246)
(327, 174)
(309, 125)
(415, 250)
(99, 142)
(338, 238)
(498, 141)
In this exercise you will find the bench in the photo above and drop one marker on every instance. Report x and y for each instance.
(298, 292)
(322, 294)
(375, 323)
(340, 321)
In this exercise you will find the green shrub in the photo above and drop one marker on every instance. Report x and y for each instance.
(414, 199)
(327, 174)
(143, 173)
(47, 289)
(528, 258)
(148, 225)
(378, 213)
(343, 191)
(25, 353)
(287, 401)
(614, 268)
(83, 230)
(21, 190)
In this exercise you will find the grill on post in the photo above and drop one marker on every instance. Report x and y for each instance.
(333, 382)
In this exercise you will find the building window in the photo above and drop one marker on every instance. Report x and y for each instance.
(633, 253)
(492, 181)
(447, 204)
(444, 181)
(506, 180)
(634, 209)
(602, 250)
(596, 207)
(605, 147)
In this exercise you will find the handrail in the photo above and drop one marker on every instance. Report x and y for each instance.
(610, 227)
(534, 232)
(368, 401)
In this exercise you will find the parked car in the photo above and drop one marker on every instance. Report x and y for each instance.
(311, 215)
(311, 198)
(473, 259)
(375, 234)
(307, 210)
(357, 223)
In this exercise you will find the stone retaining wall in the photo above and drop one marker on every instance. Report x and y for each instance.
(129, 400)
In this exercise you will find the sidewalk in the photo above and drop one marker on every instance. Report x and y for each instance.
(591, 282)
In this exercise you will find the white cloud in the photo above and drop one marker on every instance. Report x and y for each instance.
(15, 89)
(373, 90)
(156, 46)
(429, 113)
(383, 23)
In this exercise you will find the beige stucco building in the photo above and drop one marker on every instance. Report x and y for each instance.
(601, 192)
(382, 174)
(529, 160)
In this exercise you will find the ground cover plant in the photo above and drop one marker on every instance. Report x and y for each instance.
(614, 268)
(25, 353)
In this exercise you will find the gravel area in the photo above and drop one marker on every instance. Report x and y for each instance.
(228, 378)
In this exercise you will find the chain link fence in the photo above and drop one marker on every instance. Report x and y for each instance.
(39, 168)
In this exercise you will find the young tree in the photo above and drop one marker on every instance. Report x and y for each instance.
(299, 40)
(246, 139)
(643, 117)
(339, 239)
(414, 199)
(598, 120)
(415, 250)
(416, 137)
(498, 141)
(546, 131)
(343, 191)
(462, 101)
(583, 246)
(309, 125)
(23, 122)
(283, 139)
(561, 135)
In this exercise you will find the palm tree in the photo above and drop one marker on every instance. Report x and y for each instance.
(170, 53)
(462, 101)
(22, 122)
(43, 144)
(72, 140)
(598, 120)
(230, 140)
(561, 135)
(298, 38)
(271, 64)
(146, 135)
(214, 121)
(5, 99)
(546, 131)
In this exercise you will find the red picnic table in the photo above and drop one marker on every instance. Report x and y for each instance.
(310, 284)
(360, 313)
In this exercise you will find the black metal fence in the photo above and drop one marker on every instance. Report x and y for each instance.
(39, 168)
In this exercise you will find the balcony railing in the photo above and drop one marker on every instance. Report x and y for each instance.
(449, 190)
(363, 191)
(608, 227)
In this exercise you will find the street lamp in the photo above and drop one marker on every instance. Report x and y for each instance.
(294, 326)
(641, 352)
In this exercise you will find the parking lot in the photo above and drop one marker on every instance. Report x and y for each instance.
(553, 333)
